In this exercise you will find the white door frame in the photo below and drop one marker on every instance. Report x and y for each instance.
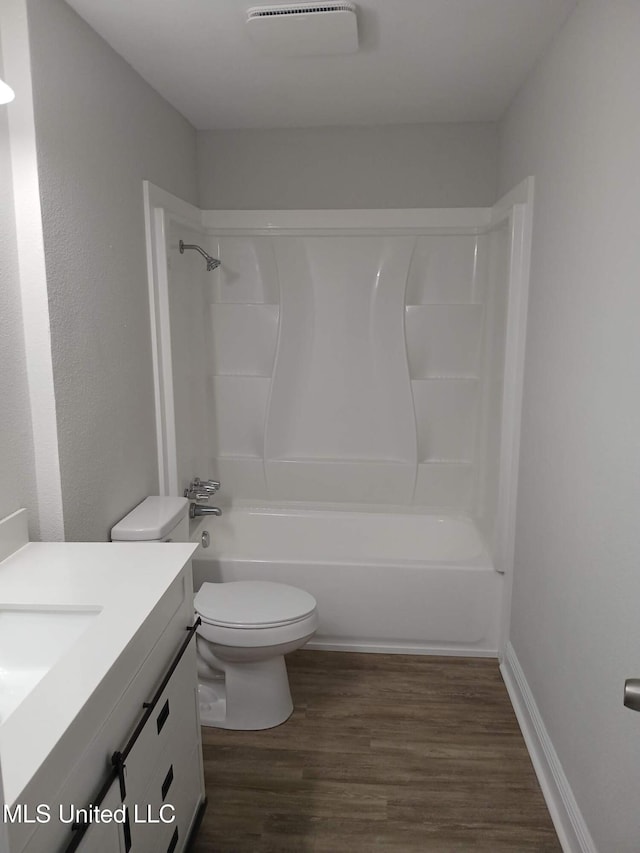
(160, 210)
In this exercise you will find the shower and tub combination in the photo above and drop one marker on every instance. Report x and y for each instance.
(353, 378)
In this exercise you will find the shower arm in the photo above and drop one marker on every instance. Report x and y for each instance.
(212, 263)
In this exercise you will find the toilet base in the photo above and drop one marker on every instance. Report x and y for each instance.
(252, 695)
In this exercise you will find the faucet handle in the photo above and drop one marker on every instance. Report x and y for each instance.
(208, 485)
(194, 495)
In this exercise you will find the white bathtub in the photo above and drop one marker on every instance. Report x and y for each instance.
(413, 583)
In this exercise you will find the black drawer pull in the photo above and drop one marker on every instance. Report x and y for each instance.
(174, 841)
(168, 779)
(163, 716)
(127, 831)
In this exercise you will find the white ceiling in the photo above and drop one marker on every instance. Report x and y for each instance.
(419, 60)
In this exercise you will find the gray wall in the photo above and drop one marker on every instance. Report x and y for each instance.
(575, 627)
(17, 480)
(100, 131)
(430, 165)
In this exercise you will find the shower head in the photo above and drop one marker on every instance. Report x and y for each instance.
(212, 263)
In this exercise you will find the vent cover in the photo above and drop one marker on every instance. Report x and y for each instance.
(305, 29)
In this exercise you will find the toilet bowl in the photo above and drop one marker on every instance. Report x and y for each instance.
(246, 628)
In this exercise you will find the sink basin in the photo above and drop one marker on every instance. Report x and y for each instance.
(32, 641)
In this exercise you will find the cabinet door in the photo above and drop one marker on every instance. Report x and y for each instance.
(162, 817)
(105, 837)
(163, 771)
(174, 721)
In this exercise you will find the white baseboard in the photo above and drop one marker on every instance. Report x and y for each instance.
(331, 644)
(567, 817)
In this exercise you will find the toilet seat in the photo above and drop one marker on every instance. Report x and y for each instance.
(251, 605)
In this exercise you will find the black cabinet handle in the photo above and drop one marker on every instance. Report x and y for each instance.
(163, 716)
(127, 831)
(168, 779)
(174, 841)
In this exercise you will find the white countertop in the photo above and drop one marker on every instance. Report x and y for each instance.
(124, 581)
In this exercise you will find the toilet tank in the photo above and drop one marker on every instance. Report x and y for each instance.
(157, 519)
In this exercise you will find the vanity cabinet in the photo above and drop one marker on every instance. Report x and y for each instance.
(143, 758)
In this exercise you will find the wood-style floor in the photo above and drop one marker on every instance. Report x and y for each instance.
(382, 753)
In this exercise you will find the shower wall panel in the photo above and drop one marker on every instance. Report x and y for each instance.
(355, 368)
(341, 393)
(244, 313)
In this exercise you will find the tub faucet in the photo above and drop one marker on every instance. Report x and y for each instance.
(195, 511)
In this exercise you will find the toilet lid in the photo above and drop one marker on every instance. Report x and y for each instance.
(252, 604)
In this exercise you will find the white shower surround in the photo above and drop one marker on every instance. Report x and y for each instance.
(387, 480)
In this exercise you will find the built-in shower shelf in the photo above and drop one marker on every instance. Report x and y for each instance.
(241, 375)
(244, 304)
(436, 304)
(349, 460)
(239, 458)
(443, 461)
(232, 376)
(445, 377)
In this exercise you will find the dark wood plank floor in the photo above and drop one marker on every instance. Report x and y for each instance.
(382, 753)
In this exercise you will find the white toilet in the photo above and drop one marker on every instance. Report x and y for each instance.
(246, 629)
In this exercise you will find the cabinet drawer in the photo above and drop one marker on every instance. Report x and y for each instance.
(174, 719)
(175, 791)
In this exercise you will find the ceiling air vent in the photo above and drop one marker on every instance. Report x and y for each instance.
(305, 29)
